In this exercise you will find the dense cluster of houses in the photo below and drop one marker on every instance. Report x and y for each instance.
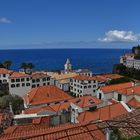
(48, 101)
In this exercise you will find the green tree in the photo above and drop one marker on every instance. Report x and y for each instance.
(16, 102)
(7, 64)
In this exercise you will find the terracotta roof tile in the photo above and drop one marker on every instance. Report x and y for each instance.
(45, 94)
(115, 87)
(67, 131)
(103, 113)
(5, 71)
(134, 103)
(39, 75)
(18, 75)
(82, 77)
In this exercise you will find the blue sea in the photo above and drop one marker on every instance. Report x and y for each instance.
(98, 60)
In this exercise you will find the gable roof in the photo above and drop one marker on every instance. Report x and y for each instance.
(5, 71)
(66, 131)
(130, 91)
(83, 77)
(45, 94)
(18, 75)
(84, 101)
(104, 113)
(115, 87)
(39, 75)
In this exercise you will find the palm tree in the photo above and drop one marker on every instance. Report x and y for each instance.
(7, 64)
(24, 66)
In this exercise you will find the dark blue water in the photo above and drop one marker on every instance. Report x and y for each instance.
(98, 60)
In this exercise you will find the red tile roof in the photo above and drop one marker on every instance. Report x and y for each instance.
(82, 77)
(88, 131)
(5, 71)
(39, 75)
(18, 75)
(103, 113)
(45, 94)
(115, 87)
(84, 101)
(134, 103)
(130, 91)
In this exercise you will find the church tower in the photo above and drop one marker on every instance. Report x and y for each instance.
(68, 66)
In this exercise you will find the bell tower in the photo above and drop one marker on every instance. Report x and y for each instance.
(68, 66)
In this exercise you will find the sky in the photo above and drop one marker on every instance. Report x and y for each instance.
(69, 24)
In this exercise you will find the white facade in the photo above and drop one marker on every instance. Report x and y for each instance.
(20, 86)
(130, 62)
(68, 66)
(83, 87)
(36, 82)
(4, 78)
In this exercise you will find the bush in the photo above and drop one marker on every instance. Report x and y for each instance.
(119, 80)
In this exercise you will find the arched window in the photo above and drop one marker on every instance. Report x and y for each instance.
(12, 86)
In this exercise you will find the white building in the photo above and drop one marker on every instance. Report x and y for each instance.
(40, 79)
(68, 66)
(129, 61)
(19, 83)
(83, 85)
(4, 75)
(62, 80)
(85, 72)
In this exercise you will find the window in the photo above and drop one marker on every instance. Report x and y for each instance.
(100, 96)
(22, 79)
(33, 81)
(17, 80)
(89, 86)
(12, 80)
(48, 78)
(85, 86)
(27, 84)
(27, 79)
(33, 86)
(94, 91)
(89, 82)
(17, 85)
(44, 84)
(37, 80)
(48, 83)
(119, 97)
(23, 85)
(37, 85)
(94, 86)
(44, 79)
(12, 86)
(4, 75)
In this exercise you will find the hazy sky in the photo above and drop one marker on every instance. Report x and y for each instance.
(69, 23)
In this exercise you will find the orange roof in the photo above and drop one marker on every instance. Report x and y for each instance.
(46, 94)
(35, 110)
(84, 101)
(82, 77)
(129, 91)
(5, 71)
(83, 131)
(103, 113)
(112, 76)
(18, 75)
(39, 75)
(134, 103)
(115, 87)
(41, 120)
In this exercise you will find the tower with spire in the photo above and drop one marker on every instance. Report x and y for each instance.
(68, 66)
